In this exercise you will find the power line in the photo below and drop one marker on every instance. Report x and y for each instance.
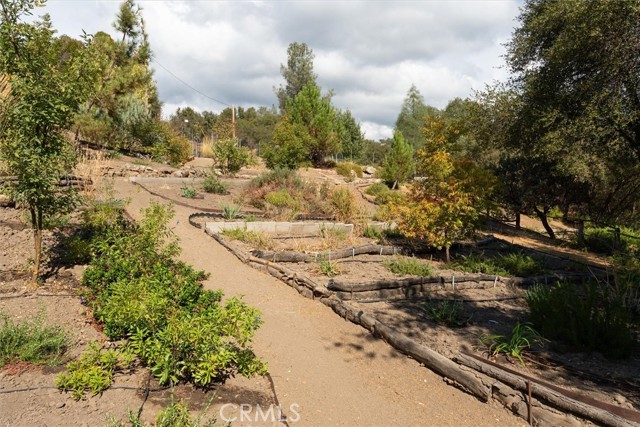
(189, 86)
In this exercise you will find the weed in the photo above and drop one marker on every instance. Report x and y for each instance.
(188, 192)
(448, 312)
(377, 189)
(408, 266)
(30, 341)
(178, 415)
(257, 239)
(372, 232)
(93, 370)
(513, 264)
(211, 184)
(328, 268)
(522, 337)
(132, 418)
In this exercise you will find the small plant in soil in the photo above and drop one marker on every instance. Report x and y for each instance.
(255, 238)
(371, 232)
(178, 415)
(408, 266)
(211, 184)
(231, 211)
(513, 264)
(93, 371)
(522, 337)
(30, 341)
(448, 312)
(188, 192)
(328, 268)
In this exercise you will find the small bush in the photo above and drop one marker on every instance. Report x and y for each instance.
(93, 371)
(178, 415)
(328, 268)
(349, 170)
(595, 320)
(343, 204)
(211, 184)
(522, 337)
(188, 192)
(229, 157)
(602, 240)
(372, 232)
(30, 341)
(449, 312)
(408, 266)
(377, 189)
(391, 197)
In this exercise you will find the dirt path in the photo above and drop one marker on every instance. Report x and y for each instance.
(335, 371)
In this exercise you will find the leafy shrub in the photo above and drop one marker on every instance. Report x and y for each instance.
(448, 312)
(602, 240)
(30, 341)
(93, 371)
(408, 266)
(169, 145)
(391, 197)
(229, 157)
(178, 415)
(188, 192)
(377, 189)
(349, 170)
(596, 320)
(288, 147)
(343, 204)
(182, 332)
(522, 337)
(283, 202)
(211, 184)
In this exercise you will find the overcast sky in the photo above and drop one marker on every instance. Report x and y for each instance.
(368, 52)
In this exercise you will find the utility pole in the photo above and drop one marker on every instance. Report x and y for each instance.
(233, 120)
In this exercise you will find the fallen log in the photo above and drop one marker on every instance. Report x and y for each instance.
(288, 256)
(337, 285)
(583, 406)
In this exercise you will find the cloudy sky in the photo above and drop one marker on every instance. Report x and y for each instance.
(368, 52)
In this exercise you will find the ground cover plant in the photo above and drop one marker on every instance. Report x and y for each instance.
(30, 341)
(349, 170)
(603, 240)
(138, 290)
(512, 264)
(522, 337)
(448, 312)
(408, 266)
(255, 238)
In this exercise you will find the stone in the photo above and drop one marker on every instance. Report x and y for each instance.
(369, 170)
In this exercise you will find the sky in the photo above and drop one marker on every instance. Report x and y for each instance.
(368, 52)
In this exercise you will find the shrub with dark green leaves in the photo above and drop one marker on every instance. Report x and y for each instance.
(212, 184)
(513, 264)
(183, 332)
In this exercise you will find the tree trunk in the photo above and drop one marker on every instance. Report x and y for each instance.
(447, 254)
(36, 224)
(517, 220)
(542, 215)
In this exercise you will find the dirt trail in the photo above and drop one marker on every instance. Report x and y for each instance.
(336, 372)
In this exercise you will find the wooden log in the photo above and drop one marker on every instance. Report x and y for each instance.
(565, 400)
(337, 285)
(337, 254)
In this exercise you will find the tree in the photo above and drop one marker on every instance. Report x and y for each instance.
(46, 90)
(398, 164)
(315, 113)
(411, 119)
(576, 71)
(229, 157)
(298, 73)
(350, 135)
(288, 147)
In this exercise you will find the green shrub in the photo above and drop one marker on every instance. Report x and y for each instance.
(229, 157)
(30, 341)
(349, 170)
(188, 192)
(448, 312)
(595, 320)
(372, 232)
(408, 266)
(328, 268)
(93, 371)
(522, 337)
(182, 332)
(283, 202)
(602, 240)
(211, 184)
(391, 197)
(279, 178)
(377, 189)
(168, 145)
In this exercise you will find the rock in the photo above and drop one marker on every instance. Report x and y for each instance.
(620, 399)
(369, 170)
(180, 174)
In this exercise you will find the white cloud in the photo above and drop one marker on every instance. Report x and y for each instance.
(368, 52)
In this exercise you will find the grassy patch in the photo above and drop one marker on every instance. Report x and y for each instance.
(448, 312)
(30, 341)
(408, 266)
(603, 241)
(513, 264)
(260, 240)
(377, 189)
(349, 170)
